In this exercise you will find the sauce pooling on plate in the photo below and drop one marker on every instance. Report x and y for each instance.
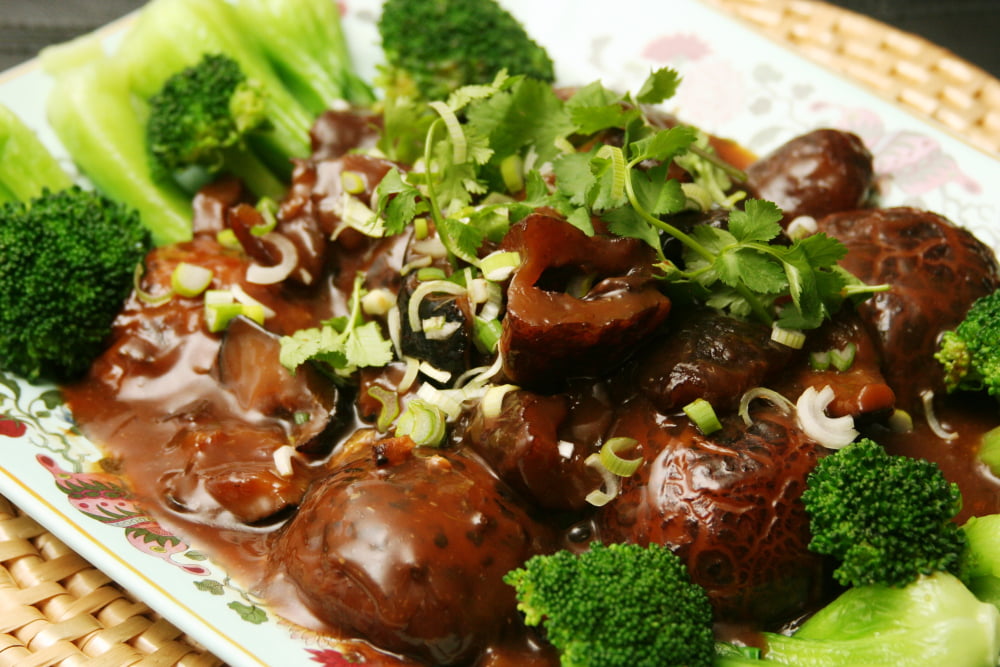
(400, 549)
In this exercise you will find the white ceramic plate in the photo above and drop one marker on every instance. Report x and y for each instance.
(736, 84)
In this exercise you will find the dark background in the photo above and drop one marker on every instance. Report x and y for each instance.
(969, 28)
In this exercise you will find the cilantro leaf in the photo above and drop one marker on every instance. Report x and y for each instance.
(340, 345)
(759, 221)
(659, 86)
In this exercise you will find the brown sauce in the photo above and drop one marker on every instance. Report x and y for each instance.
(197, 446)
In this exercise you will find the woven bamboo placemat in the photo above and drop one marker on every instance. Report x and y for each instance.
(897, 65)
(58, 610)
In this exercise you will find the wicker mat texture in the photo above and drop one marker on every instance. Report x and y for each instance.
(58, 610)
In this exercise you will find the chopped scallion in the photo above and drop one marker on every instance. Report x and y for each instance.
(389, 401)
(612, 460)
(190, 280)
(423, 423)
(703, 415)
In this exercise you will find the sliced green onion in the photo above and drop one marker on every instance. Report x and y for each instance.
(379, 301)
(143, 295)
(439, 327)
(409, 374)
(434, 373)
(771, 395)
(302, 417)
(564, 145)
(254, 312)
(703, 415)
(190, 280)
(430, 273)
(423, 422)
(831, 432)
(486, 334)
(512, 173)
(497, 266)
(352, 182)
(219, 315)
(611, 486)
(268, 209)
(820, 361)
(618, 173)
(243, 297)
(448, 401)
(422, 291)
(420, 228)
(616, 464)
(492, 401)
(792, 338)
(458, 142)
(843, 358)
(358, 215)
(219, 296)
(801, 227)
(227, 239)
(389, 401)
(269, 275)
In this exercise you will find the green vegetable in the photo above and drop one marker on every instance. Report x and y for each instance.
(980, 565)
(93, 114)
(620, 605)
(202, 117)
(970, 354)
(340, 345)
(171, 35)
(68, 260)
(933, 621)
(436, 46)
(26, 166)
(887, 519)
(469, 141)
(304, 42)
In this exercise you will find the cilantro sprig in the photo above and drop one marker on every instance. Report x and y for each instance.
(608, 161)
(339, 345)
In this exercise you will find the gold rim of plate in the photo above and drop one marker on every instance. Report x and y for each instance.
(58, 610)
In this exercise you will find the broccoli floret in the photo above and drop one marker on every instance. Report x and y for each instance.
(67, 259)
(887, 519)
(436, 46)
(935, 620)
(93, 114)
(170, 35)
(617, 605)
(970, 354)
(202, 117)
(68, 262)
(304, 42)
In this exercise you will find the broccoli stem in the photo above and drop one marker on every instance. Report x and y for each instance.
(256, 175)
(171, 35)
(26, 166)
(305, 43)
(92, 113)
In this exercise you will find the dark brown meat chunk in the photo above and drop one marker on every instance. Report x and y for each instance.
(821, 172)
(860, 390)
(550, 333)
(709, 355)
(936, 270)
(729, 506)
(538, 444)
(408, 550)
